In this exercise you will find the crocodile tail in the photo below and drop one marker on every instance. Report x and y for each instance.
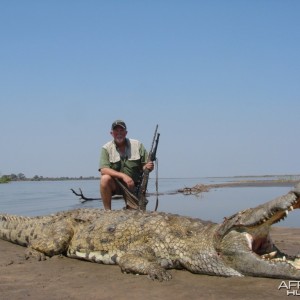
(15, 228)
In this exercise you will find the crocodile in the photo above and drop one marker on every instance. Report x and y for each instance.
(151, 243)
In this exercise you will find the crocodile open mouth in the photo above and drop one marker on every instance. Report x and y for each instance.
(260, 241)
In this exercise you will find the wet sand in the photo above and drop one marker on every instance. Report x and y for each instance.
(65, 278)
(199, 188)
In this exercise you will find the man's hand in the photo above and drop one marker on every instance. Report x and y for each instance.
(149, 165)
(128, 181)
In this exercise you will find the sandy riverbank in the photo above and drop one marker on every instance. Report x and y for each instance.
(200, 188)
(65, 278)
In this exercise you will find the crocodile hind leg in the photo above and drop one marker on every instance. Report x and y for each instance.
(143, 261)
(52, 239)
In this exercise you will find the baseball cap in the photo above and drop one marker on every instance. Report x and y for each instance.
(118, 123)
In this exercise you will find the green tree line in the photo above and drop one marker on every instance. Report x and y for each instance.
(22, 177)
(12, 177)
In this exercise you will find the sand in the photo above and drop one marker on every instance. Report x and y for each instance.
(66, 278)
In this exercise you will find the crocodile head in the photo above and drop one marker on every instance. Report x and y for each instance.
(244, 242)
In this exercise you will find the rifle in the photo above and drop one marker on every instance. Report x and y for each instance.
(141, 189)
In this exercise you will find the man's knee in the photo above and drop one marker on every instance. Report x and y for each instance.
(105, 180)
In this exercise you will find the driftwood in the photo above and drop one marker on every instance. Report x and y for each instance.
(195, 190)
(84, 198)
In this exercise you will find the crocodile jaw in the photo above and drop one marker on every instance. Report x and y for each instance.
(247, 246)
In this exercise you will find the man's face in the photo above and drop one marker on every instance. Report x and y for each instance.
(119, 134)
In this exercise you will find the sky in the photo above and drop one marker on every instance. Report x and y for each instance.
(220, 78)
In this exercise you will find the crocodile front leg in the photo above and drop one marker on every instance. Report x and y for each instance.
(144, 262)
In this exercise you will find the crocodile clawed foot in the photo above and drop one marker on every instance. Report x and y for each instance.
(32, 253)
(159, 274)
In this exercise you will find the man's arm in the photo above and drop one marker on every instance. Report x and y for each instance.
(113, 173)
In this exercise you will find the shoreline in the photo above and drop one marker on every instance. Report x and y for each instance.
(199, 188)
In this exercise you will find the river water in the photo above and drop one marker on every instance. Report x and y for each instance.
(32, 198)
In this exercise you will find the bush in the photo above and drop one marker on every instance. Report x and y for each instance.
(5, 179)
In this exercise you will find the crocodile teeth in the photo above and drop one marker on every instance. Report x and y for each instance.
(291, 208)
(281, 259)
(295, 263)
(286, 212)
(269, 255)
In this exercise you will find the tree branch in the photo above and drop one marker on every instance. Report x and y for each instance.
(83, 199)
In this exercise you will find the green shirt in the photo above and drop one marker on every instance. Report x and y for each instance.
(131, 163)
